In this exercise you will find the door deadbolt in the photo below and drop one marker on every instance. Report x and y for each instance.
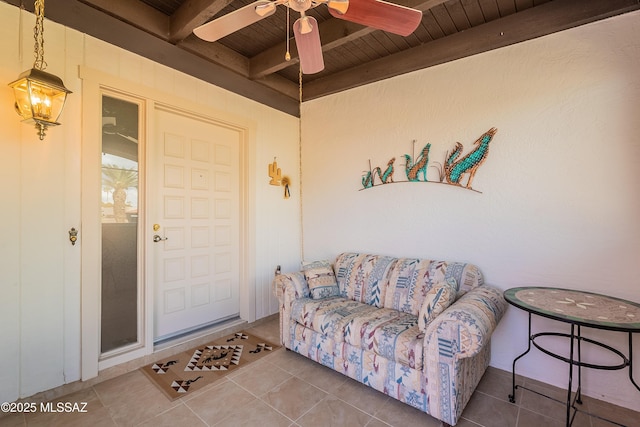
(73, 236)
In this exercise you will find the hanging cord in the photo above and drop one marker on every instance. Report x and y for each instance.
(38, 35)
(300, 162)
(20, 31)
(300, 89)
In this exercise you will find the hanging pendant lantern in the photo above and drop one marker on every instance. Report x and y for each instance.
(40, 96)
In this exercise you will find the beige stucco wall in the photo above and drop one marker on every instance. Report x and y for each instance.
(559, 202)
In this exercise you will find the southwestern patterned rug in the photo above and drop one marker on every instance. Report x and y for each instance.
(193, 369)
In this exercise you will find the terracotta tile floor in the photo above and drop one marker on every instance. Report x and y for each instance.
(285, 389)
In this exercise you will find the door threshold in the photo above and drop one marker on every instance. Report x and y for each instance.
(201, 335)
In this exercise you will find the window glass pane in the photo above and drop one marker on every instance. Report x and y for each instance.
(119, 223)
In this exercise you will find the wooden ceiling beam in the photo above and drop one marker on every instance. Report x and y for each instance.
(217, 53)
(422, 5)
(547, 18)
(192, 14)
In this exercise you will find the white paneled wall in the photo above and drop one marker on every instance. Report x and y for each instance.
(10, 256)
(41, 198)
(278, 224)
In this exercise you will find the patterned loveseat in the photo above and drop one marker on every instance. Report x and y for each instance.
(415, 329)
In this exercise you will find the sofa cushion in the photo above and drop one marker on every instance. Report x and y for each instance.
(408, 284)
(389, 333)
(321, 279)
(440, 296)
(328, 316)
(363, 277)
(411, 279)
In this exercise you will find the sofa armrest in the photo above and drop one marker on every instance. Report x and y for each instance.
(457, 350)
(466, 326)
(288, 287)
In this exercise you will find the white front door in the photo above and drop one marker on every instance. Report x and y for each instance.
(195, 220)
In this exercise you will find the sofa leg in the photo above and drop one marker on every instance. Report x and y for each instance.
(445, 424)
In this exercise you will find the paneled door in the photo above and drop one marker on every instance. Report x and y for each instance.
(195, 178)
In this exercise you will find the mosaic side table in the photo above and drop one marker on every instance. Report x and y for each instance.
(579, 309)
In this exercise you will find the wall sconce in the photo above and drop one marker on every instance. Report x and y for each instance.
(40, 96)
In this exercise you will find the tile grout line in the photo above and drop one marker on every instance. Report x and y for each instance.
(329, 393)
(259, 397)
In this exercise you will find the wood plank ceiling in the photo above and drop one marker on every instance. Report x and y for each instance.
(251, 61)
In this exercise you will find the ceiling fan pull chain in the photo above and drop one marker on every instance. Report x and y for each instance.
(287, 55)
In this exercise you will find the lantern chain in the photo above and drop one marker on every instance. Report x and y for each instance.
(38, 35)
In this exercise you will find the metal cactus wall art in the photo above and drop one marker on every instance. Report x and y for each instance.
(456, 169)
(275, 173)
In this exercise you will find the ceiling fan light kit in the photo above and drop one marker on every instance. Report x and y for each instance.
(306, 24)
(378, 14)
(340, 6)
(299, 5)
(265, 9)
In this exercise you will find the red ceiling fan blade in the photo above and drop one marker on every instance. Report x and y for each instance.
(308, 45)
(382, 15)
(236, 20)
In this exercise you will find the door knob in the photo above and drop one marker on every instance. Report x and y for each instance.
(157, 238)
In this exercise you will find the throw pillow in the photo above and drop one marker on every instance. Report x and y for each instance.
(440, 296)
(299, 283)
(321, 279)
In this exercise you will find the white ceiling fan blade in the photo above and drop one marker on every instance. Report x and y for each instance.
(308, 45)
(236, 20)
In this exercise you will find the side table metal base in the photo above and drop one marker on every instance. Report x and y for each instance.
(574, 337)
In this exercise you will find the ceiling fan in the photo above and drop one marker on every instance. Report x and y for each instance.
(378, 14)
